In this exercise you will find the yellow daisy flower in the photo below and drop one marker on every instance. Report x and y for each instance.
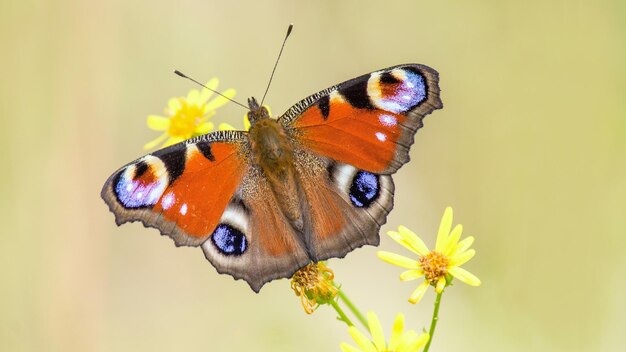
(314, 285)
(436, 267)
(400, 341)
(188, 116)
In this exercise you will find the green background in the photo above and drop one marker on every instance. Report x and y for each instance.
(528, 150)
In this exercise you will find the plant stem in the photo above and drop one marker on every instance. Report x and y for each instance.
(342, 316)
(433, 322)
(353, 308)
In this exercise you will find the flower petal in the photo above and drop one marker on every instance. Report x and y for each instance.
(464, 276)
(414, 240)
(411, 275)
(407, 340)
(462, 258)
(207, 116)
(174, 105)
(376, 330)
(444, 230)
(158, 123)
(465, 244)
(441, 284)
(220, 100)
(204, 128)
(153, 143)
(417, 343)
(399, 260)
(455, 235)
(417, 295)
(205, 94)
(409, 239)
(396, 331)
(364, 343)
(193, 96)
(347, 348)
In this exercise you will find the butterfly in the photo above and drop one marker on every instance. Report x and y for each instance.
(313, 184)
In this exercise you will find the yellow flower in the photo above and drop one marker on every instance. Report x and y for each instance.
(400, 341)
(436, 267)
(187, 116)
(314, 285)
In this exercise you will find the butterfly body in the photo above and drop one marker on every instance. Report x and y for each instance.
(273, 153)
(311, 185)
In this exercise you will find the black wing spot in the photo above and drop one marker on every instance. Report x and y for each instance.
(228, 240)
(356, 94)
(324, 105)
(388, 78)
(205, 149)
(140, 169)
(174, 159)
(365, 189)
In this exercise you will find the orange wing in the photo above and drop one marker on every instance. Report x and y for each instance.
(181, 190)
(368, 122)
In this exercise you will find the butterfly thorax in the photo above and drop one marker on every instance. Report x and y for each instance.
(273, 153)
(271, 148)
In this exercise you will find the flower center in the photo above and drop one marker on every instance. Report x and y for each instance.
(434, 265)
(314, 285)
(185, 120)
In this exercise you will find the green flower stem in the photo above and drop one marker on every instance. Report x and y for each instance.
(433, 322)
(342, 316)
(353, 308)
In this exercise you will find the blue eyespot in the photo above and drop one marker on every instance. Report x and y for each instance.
(228, 240)
(409, 93)
(364, 189)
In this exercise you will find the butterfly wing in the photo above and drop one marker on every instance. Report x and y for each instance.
(360, 132)
(206, 192)
(181, 190)
(369, 121)
(346, 206)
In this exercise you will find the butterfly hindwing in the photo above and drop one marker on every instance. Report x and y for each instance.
(253, 240)
(368, 122)
(347, 207)
(181, 190)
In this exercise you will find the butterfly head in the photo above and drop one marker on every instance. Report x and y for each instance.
(256, 112)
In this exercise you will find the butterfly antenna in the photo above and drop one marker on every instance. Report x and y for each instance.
(276, 64)
(212, 90)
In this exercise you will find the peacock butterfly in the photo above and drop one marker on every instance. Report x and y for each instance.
(313, 184)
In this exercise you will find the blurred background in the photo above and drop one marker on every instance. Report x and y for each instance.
(528, 150)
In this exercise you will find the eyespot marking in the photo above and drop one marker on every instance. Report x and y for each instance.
(365, 189)
(139, 186)
(228, 240)
(400, 95)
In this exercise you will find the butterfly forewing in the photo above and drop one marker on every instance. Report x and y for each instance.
(369, 121)
(180, 190)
